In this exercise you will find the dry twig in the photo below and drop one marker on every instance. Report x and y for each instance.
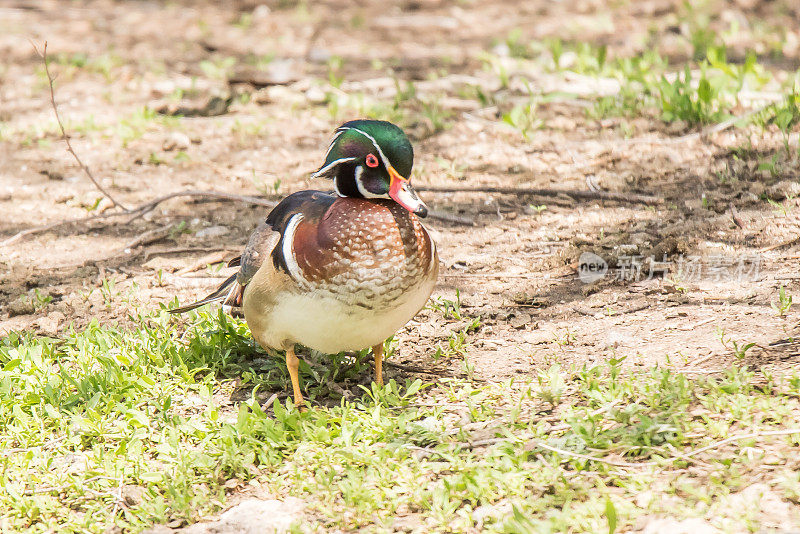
(45, 445)
(782, 244)
(614, 313)
(64, 136)
(142, 209)
(149, 206)
(150, 236)
(689, 456)
(409, 368)
(45, 227)
(578, 195)
(784, 432)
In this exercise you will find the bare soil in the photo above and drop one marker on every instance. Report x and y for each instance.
(515, 268)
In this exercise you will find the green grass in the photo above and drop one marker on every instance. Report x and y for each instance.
(681, 100)
(135, 125)
(407, 109)
(700, 91)
(147, 411)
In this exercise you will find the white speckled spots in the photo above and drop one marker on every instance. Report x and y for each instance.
(376, 254)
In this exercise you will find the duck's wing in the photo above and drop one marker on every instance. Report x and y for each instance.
(262, 242)
(261, 245)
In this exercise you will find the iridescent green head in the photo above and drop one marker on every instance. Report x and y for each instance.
(372, 159)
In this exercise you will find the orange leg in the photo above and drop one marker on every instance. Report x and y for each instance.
(377, 352)
(293, 364)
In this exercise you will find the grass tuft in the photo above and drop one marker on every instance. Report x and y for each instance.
(160, 423)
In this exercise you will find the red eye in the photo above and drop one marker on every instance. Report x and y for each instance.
(372, 161)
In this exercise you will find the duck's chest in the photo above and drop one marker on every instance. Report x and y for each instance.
(364, 253)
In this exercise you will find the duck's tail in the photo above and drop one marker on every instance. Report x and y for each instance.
(229, 294)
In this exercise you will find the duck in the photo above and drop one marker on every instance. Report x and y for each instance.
(343, 270)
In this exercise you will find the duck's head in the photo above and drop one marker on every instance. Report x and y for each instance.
(372, 159)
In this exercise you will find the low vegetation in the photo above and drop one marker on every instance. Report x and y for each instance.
(135, 426)
(160, 419)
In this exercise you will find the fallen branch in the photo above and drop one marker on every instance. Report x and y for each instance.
(150, 236)
(149, 206)
(689, 456)
(141, 210)
(701, 360)
(64, 136)
(45, 227)
(614, 313)
(183, 250)
(785, 432)
(578, 195)
(782, 244)
(538, 444)
(409, 368)
(447, 217)
(533, 444)
(45, 445)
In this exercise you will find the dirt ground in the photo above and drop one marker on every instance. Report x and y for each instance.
(515, 268)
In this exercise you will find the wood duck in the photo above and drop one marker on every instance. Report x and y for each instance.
(344, 271)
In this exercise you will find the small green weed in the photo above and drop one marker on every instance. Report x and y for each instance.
(680, 100)
(173, 411)
(523, 117)
(40, 300)
(450, 309)
(551, 385)
(218, 68)
(784, 302)
(778, 208)
(786, 116)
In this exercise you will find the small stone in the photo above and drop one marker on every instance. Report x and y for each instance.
(676, 127)
(784, 189)
(48, 325)
(644, 498)
(319, 55)
(520, 320)
(21, 306)
(163, 88)
(501, 50)
(757, 189)
(133, 495)
(693, 525)
(617, 338)
(72, 463)
(316, 95)
(487, 511)
(639, 238)
(261, 12)
(53, 175)
(279, 72)
(254, 516)
(176, 141)
(212, 231)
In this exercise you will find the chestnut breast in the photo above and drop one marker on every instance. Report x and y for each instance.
(366, 252)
